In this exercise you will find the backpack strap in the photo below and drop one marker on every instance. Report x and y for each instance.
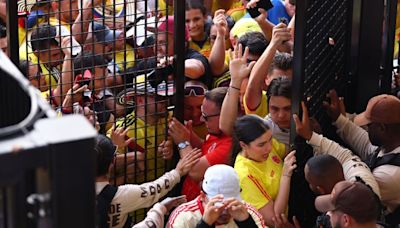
(389, 159)
(393, 219)
(104, 199)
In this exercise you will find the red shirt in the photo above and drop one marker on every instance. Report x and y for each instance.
(217, 150)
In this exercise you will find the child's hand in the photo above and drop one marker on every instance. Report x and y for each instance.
(118, 137)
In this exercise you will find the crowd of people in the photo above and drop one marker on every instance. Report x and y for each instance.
(98, 59)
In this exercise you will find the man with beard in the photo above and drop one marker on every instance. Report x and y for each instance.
(216, 147)
(380, 146)
(350, 205)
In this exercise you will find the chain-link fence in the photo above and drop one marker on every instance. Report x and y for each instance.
(320, 57)
(111, 61)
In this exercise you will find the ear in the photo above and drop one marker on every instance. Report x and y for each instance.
(346, 220)
(268, 80)
(243, 145)
(321, 190)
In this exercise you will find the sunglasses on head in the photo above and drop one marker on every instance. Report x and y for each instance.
(195, 91)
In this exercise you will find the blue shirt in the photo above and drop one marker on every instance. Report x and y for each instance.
(277, 12)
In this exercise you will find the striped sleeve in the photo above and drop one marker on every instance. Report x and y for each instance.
(186, 215)
(257, 217)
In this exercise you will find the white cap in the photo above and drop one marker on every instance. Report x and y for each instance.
(221, 179)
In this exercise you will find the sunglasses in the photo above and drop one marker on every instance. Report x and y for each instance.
(195, 91)
(37, 76)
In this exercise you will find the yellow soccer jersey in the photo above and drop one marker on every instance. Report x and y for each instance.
(130, 58)
(216, 5)
(148, 137)
(260, 181)
(204, 50)
(261, 110)
(162, 8)
(26, 52)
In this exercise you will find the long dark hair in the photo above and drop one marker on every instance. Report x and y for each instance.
(247, 128)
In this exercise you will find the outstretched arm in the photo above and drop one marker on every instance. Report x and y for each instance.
(239, 71)
(217, 55)
(258, 74)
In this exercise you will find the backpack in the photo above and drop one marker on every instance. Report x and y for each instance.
(392, 219)
(103, 202)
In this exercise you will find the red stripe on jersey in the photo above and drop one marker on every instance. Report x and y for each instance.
(259, 186)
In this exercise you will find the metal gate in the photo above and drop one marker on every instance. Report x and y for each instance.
(338, 45)
(119, 40)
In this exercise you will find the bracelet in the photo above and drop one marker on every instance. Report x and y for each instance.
(233, 87)
(66, 110)
(286, 175)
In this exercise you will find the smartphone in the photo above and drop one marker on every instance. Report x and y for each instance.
(283, 20)
(264, 4)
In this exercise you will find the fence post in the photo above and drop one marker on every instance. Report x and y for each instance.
(179, 54)
(12, 31)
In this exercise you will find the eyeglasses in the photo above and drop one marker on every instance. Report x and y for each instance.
(195, 91)
(205, 117)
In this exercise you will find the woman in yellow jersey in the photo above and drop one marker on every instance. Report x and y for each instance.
(263, 170)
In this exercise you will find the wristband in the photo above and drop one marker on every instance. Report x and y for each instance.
(233, 87)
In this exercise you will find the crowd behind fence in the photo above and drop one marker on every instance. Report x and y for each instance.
(163, 85)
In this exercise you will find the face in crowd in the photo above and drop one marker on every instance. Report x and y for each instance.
(194, 96)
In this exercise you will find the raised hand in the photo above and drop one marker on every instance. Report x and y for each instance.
(303, 127)
(66, 46)
(280, 34)
(332, 108)
(280, 221)
(220, 22)
(118, 137)
(213, 209)
(238, 64)
(289, 164)
(263, 14)
(171, 202)
(237, 209)
(165, 149)
(178, 131)
(187, 162)
(73, 95)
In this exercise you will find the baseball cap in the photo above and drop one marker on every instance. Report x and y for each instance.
(103, 33)
(244, 26)
(221, 179)
(27, 5)
(352, 198)
(383, 109)
(167, 25)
